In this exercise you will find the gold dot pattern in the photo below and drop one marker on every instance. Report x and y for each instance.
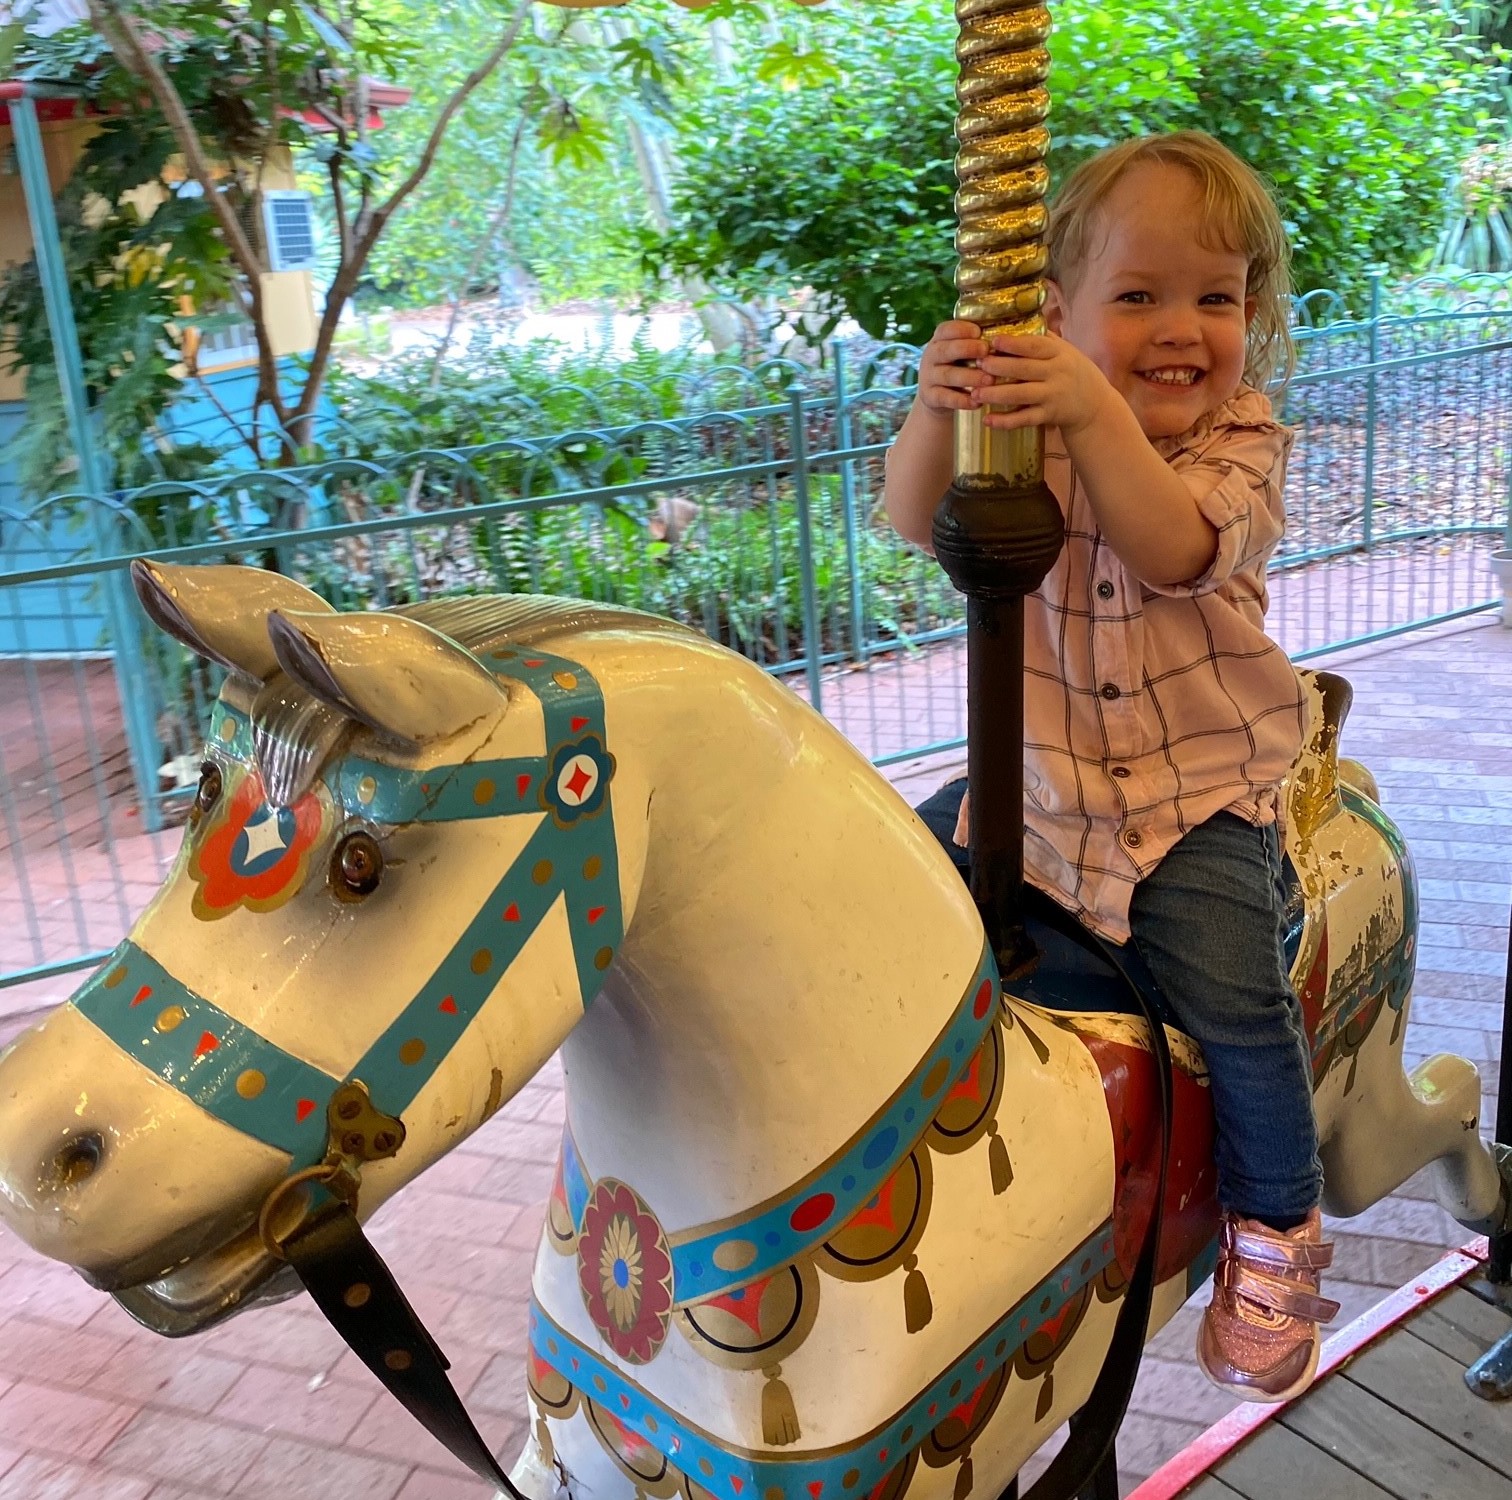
(482, 961)
(542, 872)
(250, 1084)
(367, 789)
(411, 1052)
(483, 793)
(171, 1019)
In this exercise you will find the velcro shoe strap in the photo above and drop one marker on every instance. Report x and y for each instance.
(1284, 1297)
(1282, 1254)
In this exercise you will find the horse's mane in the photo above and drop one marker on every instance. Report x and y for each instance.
(486, 620)
(294, 734)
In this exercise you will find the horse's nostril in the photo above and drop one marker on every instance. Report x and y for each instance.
(77, 1161)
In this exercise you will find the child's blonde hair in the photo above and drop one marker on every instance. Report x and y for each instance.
(1238, 213)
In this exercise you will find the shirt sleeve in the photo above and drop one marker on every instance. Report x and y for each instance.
(1238, 481)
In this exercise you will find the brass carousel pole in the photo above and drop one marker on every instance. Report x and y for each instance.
(998, 530)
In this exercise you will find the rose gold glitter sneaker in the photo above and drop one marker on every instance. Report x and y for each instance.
(1259, 1336)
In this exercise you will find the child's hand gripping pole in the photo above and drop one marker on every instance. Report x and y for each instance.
(998, 530)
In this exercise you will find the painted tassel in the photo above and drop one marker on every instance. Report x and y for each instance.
(779, 1417)
(544, 1443)
(997, 1160)
(1046, 1396)
(918, 1308)
(963, 1478)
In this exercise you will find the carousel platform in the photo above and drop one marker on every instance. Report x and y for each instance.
(1390, 1416)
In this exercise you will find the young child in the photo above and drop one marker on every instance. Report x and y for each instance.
(1159, 719)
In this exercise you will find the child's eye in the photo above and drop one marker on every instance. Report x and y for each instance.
(1135, 297)
(1220, 299)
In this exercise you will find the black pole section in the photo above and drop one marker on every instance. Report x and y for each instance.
(996, 541)
(1499, 1266)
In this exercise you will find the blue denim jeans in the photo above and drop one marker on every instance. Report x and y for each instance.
(1206, 926)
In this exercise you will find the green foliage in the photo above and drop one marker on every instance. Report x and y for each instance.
(570, 87)
(1358, 115)
(139, 250)
(1477, 233)
(844, 185)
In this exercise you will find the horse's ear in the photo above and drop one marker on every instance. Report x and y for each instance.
(221, 613)
(386, 671)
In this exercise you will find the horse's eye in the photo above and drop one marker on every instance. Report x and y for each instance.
(209, 790)
(356, 866)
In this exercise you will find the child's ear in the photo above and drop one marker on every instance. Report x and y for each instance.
(1055, 306)
(1250, 305)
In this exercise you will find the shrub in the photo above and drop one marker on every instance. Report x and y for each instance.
(1359, 116)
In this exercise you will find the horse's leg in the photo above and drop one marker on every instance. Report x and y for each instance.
(1391, 1124)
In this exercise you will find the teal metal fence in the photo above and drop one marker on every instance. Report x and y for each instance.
(747, 505)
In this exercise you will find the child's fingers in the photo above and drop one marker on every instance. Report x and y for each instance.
(1025, 416)
(1012, 393)
(962, 351)
(1016, 366)
(956, 328)
(943, 398)
(1027, 345)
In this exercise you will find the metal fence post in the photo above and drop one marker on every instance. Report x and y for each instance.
(1370, 406)
(843, 441)
(136, 711)
(813, 647)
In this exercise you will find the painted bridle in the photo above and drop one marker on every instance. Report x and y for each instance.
(248, 852)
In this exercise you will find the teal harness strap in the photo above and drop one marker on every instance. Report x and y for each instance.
(197, 1048)
(551, 866)
(257, 1088)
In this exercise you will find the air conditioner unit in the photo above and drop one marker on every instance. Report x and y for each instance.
(288, 229)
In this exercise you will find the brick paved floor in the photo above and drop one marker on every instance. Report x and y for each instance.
(93, 1407)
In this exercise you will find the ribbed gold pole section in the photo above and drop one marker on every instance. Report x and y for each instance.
(1001, 204)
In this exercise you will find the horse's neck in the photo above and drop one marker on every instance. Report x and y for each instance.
(797, 942)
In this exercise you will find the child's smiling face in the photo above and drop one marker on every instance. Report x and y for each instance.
(1160, 314)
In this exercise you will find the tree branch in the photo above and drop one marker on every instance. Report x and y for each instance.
(370, 223)
(125, 40)
(495, 224)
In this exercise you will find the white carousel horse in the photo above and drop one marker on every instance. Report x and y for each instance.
(832, 1217)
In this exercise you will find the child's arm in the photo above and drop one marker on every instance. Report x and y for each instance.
(1149, 516)
(919, 463)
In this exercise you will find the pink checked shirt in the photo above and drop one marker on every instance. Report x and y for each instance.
(1148, 709)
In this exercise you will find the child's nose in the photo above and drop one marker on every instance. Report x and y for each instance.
(1180, 325)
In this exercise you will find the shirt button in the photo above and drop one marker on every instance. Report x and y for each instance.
(1105, 590)
(1121, 772)
(1109, 690)
(1133, 838)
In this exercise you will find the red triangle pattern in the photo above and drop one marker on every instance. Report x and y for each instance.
(207, 1043)
(522, 783)
(578, 722)
(142, 994)
(512, 912)
(449, 1006)
(595, 912)
(303, 1110)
